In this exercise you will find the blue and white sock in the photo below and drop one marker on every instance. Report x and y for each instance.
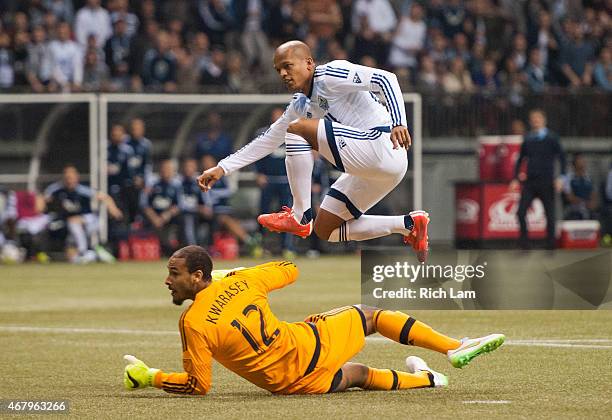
(369, 227)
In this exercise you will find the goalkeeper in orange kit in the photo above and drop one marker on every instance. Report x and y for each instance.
(230, 320)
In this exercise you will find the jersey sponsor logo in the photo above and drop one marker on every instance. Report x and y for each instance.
(224, 298)
(323, 104)
(356, 79)
(341, 144)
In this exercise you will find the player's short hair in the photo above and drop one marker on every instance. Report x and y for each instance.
(196, 258)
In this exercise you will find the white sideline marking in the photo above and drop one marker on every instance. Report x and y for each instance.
(68, 330)
(487, 402)
(586, 343)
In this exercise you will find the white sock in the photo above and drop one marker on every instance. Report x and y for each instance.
(77, 230)
(368, 227)
(299, 163)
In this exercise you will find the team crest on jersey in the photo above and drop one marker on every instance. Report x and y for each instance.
(323, 104)
(356, 79)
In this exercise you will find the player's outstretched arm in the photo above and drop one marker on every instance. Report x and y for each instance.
(276, 275)
(261, 146)
(137, 375)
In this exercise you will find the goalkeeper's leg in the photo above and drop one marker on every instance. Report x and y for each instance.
(404, 329)
(361, 376)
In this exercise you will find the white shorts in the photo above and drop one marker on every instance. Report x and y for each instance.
(372, 168)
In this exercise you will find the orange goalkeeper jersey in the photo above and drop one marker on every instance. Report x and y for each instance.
(231, 321)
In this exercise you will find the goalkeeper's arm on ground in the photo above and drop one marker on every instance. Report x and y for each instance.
(197, 361)
(137, 375)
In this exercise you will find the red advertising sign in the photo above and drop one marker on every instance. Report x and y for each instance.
(486, 211)
(500, 206)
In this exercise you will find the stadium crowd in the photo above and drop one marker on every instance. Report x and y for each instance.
(452, 46)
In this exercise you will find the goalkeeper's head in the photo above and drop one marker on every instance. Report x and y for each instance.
(189, 271)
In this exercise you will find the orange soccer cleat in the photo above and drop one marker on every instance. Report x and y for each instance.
(418, 236)
(284, 221)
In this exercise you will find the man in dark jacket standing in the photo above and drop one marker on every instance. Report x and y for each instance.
(541, 147)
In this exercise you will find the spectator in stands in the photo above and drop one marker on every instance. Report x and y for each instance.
(193, 206)
(513, 82)
(63, 10)
(117, 54)
(159, 67)
(214, 73)
(96, 76)
(69, 207)
(139, 46)
(67, 58)
(603, 70)
(121, 12)
(545, 39)
(536, 72)
(39, 66)
(427, 78)
(373, 23)
(458, 80)
(21, 40)
(249, 18)
(215, 19)
(92, 19)
(239, 80)
(118, 157)
(518, 52)
(461, 47)
(200, 49)
(439, 50)
(487, 79)
(214, 141)
(223, 218)
(541, 147)
(274, 185)
(577, 56)
(161, 207)
(579, 194)
(452, 15)
(7, 59)
(409, 39)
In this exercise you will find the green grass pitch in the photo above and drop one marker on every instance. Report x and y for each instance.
(61, 352)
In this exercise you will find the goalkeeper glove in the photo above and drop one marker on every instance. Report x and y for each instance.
(137, 374)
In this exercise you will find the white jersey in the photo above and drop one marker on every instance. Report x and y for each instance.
(342, 92)
(67, 60)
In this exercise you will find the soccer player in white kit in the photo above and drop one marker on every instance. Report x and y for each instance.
(335, 111)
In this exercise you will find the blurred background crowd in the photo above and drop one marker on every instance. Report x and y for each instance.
(452, 46)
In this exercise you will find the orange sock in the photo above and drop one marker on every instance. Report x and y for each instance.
(389, 379)
(406, 330)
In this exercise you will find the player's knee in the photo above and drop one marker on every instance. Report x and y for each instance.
(357, 374)
(296, 127)
(321, 230)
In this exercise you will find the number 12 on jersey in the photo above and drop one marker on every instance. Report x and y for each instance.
(250, 338)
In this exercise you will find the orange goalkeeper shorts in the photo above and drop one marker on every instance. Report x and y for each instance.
(341, 336)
